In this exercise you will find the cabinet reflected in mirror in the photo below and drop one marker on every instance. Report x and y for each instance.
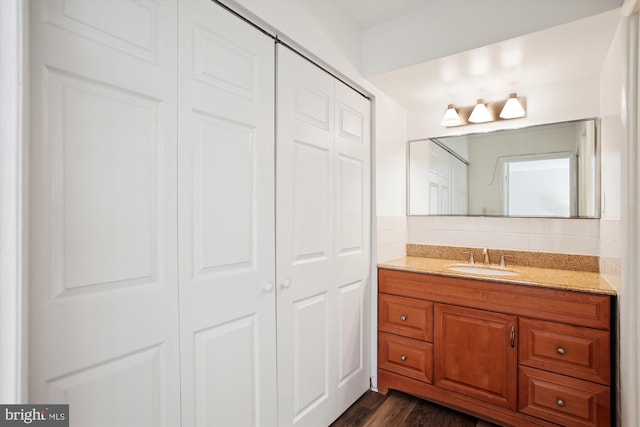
(539, 171)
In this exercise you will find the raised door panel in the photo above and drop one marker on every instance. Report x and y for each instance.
(130, 378)
(227, 366)
(475, 354)
(226, 211)
(103, 222)
(408, 357)
(563, 400)
(565, 349)
(307, 369)
(460, 187)
(408, 317)
(439, 180)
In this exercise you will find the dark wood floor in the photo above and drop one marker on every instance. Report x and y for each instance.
(402, 410)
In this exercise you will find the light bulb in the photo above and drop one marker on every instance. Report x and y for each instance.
(480, 113)
(512, 108)
(451, 117)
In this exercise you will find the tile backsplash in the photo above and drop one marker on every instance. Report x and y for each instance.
(391, 237)
(573, 262)
(568, 236)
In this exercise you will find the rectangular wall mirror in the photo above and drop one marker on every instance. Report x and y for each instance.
(548, 171)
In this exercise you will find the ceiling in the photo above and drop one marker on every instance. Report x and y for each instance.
(571, 51)
(575, 48)
(370, 13)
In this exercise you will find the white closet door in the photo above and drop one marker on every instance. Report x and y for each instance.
(305, 253)
(352, 244)
(226, 215)
(322, 243)
(103, 321)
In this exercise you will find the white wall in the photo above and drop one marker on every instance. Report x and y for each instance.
(614, 170)
(618, 244)
(316, 26)
(323, 30)
(558, 102)
(390, 179)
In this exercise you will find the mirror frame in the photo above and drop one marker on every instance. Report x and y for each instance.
(597, 150)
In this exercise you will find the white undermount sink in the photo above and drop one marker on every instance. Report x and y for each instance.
(482, 269)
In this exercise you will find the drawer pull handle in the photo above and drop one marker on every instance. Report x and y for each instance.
(560, 402)
(403, 317)
(560, 351)
(403, 357)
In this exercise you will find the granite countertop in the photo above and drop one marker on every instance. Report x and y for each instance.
(582, 281)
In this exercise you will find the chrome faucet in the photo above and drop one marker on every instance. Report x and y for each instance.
(485, 256)
(471, 260)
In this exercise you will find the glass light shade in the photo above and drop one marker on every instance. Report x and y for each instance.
(480, 113)
(512, 108)
(451, 117)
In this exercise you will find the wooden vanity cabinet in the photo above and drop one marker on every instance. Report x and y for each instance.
(516, 355)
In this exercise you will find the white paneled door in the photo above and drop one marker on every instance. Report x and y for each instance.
(226, 219)
(351, 243)
(103, 329)
(162, 281)
(322, 186)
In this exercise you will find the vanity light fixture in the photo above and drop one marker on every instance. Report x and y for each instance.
(451, 117)
(480, 113)
(512, 108)
(483, 112)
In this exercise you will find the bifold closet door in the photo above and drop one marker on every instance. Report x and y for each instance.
(322, 223)
(103, 316)
(226, 219)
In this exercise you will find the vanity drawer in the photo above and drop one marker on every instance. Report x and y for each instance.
(563, 400)
(564, 349)
(405, 356)
(408, 317)
(573, 308)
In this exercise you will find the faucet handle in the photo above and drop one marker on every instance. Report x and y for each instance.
(502, 257)
(471, 260)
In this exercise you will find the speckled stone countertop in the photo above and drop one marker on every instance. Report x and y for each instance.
(582, 281)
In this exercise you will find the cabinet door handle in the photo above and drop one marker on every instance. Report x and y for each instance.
(286, 284)
(512, 336)
(268, 287)
(403, 317)
(403, 357)
(560, 402)
(560, 351)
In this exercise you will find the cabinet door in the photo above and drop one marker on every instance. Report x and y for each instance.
(226, 211)
(475, 353)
